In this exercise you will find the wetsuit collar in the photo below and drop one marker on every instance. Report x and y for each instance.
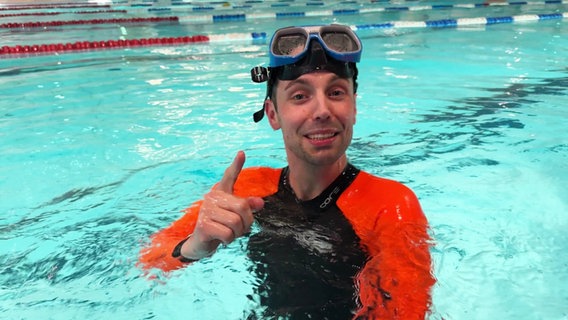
(329, 196)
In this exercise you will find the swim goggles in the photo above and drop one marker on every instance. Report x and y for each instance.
(288, 45)
(295, 51)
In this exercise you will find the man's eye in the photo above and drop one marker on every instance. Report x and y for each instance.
(298, 96)
(337, 93)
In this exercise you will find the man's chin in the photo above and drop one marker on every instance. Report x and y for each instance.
(325, 157)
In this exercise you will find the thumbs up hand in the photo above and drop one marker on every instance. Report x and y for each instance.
(223, 216)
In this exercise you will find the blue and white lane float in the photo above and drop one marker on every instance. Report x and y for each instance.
(25, 50)
(372, 8)
(231, 5)
(461, 22)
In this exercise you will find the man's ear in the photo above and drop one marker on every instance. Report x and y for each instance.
(271, 114)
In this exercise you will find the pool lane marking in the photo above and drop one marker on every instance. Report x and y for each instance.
(226, 5)
(460, 22)
(25, 50)
(240, 16)
(10, 7)
(78, 46)
(237, 17)
(43, 24)
(55, 13)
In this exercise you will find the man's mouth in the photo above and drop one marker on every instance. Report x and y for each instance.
(321, 136)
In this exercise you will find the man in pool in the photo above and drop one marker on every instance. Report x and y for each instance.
(335, 242)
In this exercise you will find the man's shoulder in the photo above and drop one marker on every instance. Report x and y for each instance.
(260, 172)
(374, 192)
(370, 199)
(378, 185)
(257, 181)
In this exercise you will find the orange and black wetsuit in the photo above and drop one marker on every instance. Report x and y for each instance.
(359, 250)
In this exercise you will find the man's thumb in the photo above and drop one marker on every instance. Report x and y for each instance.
(255, 203)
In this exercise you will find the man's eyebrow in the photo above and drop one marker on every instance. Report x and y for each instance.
(294, 82)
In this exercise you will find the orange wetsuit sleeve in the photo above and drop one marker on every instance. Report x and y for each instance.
(258, 182)
(396, 281)
(159, 253)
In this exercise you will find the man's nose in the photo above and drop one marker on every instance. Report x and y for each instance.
(322, 107)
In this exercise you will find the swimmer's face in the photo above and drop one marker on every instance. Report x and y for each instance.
(316, 113)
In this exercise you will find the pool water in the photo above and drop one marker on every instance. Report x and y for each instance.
(102, 148)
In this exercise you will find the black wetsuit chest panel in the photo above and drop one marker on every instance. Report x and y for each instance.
(306, 256)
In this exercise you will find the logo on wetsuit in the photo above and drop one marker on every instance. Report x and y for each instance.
(329, 198)
(333, 191)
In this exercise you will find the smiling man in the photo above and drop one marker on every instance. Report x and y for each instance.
(335, 242)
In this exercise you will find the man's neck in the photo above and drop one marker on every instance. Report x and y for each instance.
(309, 181)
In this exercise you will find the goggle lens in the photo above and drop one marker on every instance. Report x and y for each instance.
(339, 42)
(290, 45)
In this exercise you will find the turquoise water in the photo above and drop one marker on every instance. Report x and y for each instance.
(102, 148)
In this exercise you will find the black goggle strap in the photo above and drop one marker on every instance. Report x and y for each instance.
(257, 116)
(261, 74)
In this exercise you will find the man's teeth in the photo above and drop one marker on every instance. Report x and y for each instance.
(321, 136)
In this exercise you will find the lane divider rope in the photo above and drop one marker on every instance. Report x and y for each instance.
(462, 22)
(55, 13)
(222, 6)
(51, 6)
(57, 48)
(239, 17)
(23, 50)
(19, 25)
(252, 4)
(219, 18)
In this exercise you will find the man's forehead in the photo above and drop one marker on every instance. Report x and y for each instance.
(308, 78)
